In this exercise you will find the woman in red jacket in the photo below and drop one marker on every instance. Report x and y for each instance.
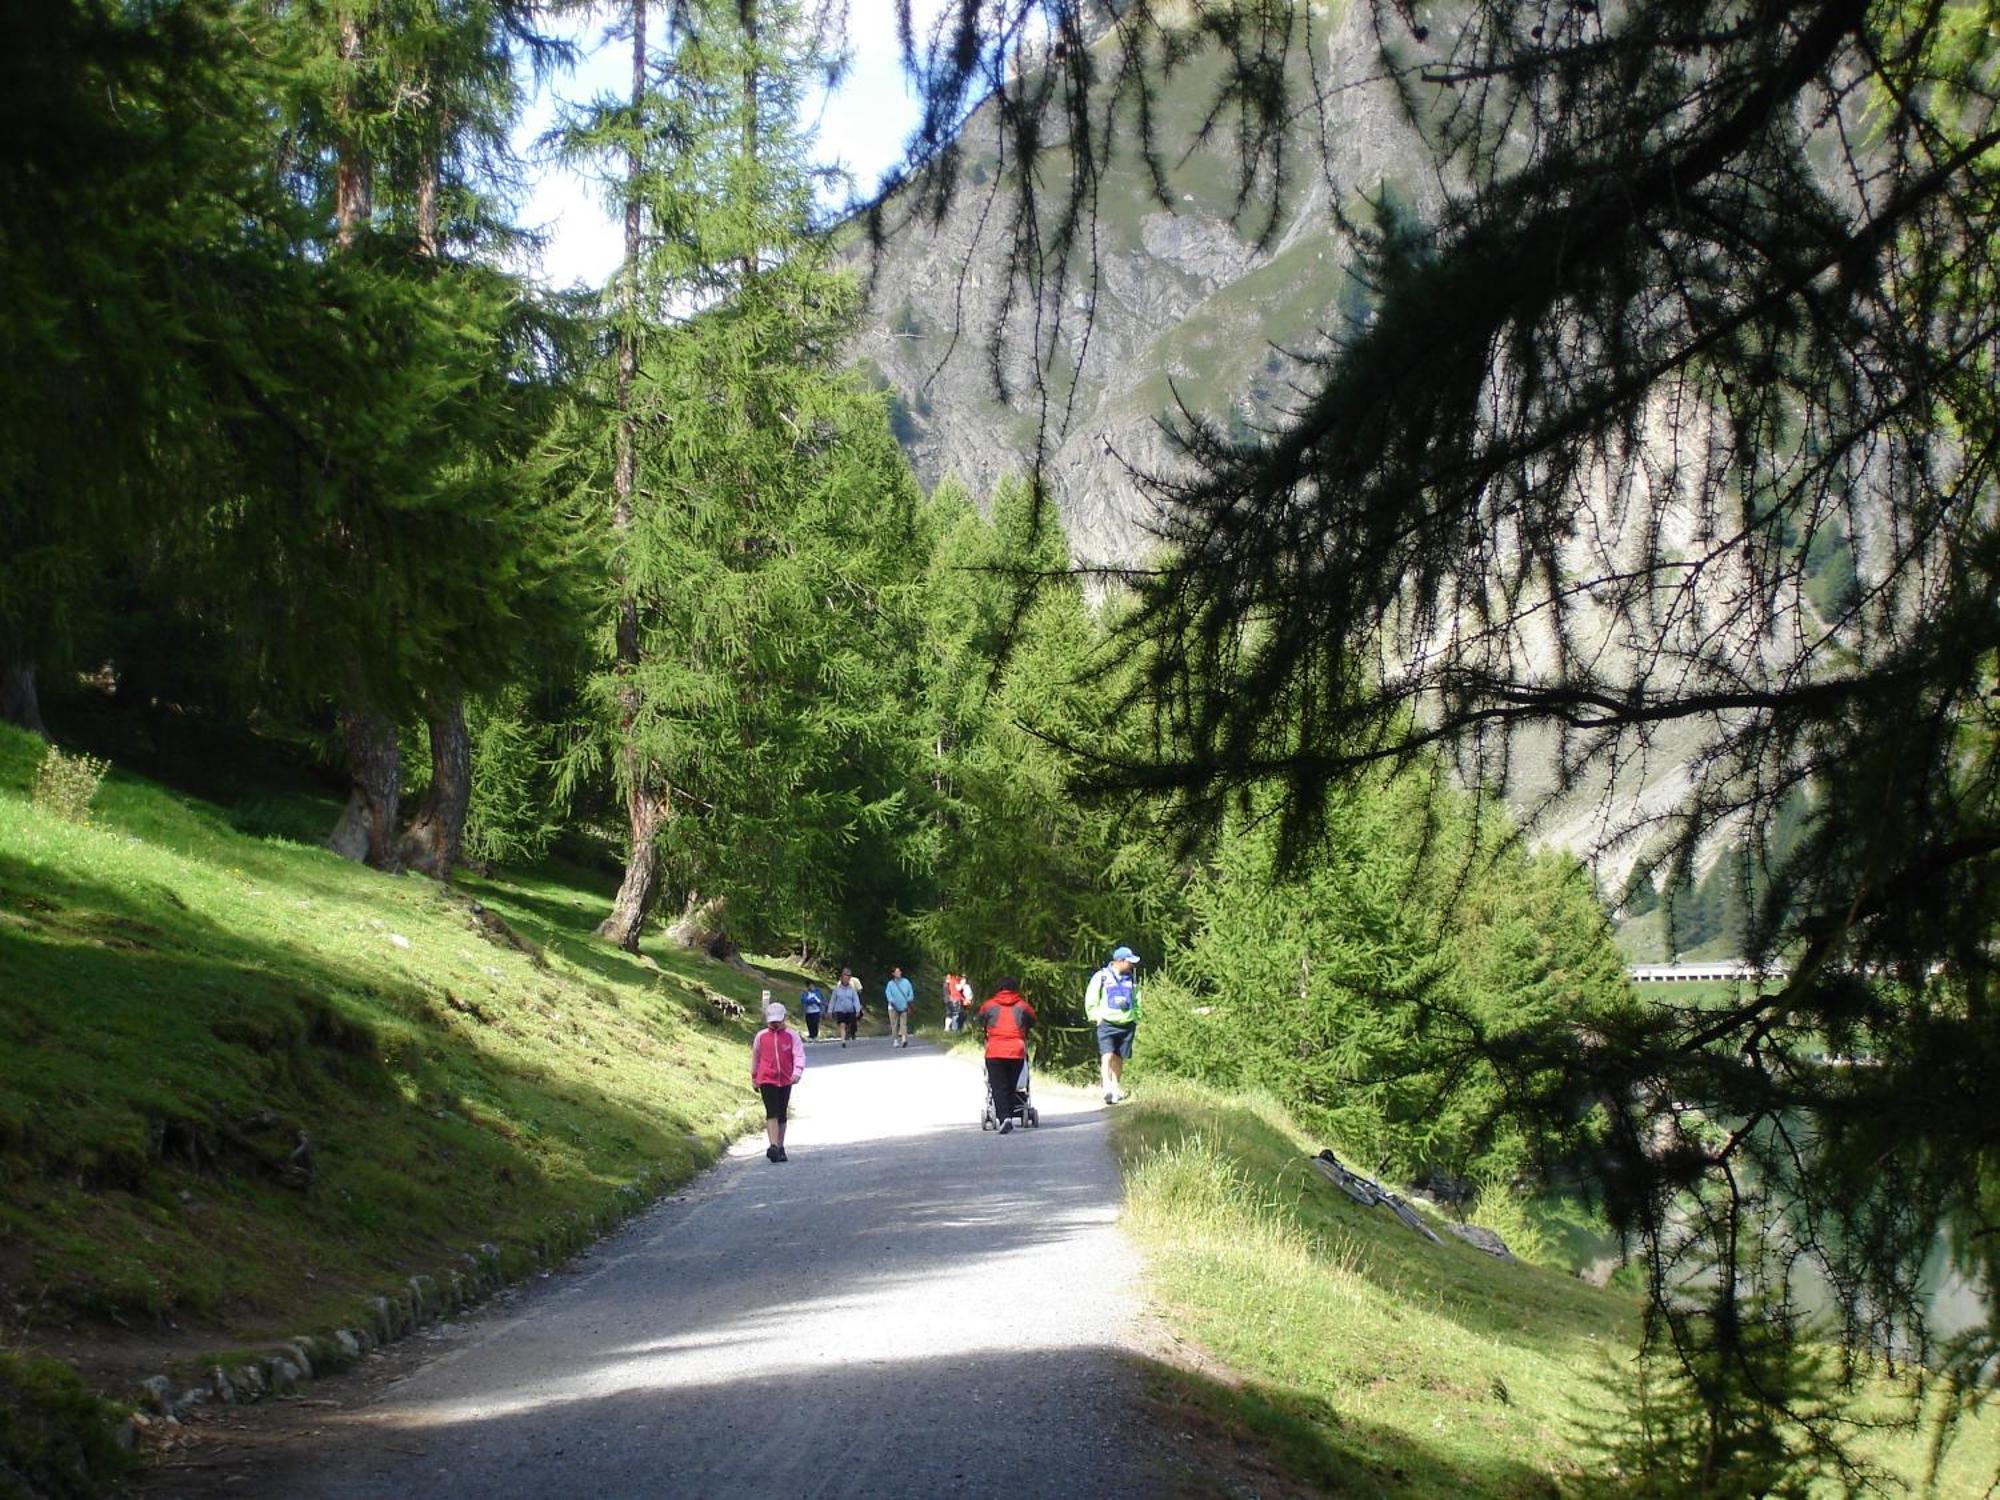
(777, 1059)
(1006, 1019)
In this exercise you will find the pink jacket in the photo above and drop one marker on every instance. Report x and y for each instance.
(776, 1056)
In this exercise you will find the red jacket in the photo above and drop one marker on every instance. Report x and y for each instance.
(776, 1056)
(1006, 1019)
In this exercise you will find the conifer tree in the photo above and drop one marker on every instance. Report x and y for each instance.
(1022, 878)
(757, 513)
(139, 199)
(409, 105)
(1708, 292)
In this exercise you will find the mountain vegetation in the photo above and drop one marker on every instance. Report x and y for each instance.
(620, 629)
(1658, 428)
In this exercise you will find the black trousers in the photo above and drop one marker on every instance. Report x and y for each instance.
(1003, 1076)
(812, 1024)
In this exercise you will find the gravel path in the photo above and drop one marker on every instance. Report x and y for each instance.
(909, 1307)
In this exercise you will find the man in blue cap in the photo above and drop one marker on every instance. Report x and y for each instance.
(1112, 1002)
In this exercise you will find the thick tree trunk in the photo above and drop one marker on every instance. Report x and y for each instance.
(641, 885)
(703, 927)
(353, 173)
(367, 827)
(20, 702)
(436, 833)
(427, 204)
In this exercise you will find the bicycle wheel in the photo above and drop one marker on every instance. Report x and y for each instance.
(1410, 1217)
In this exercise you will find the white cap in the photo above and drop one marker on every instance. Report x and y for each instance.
(774, 1012)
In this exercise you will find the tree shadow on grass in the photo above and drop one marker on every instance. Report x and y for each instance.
(155, 1059)
(569, 932)
(1251, 1437)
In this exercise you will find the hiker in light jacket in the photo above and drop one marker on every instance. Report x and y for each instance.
(846, 1006)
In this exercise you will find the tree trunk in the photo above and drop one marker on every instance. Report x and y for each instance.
(20, 703)
(641, 886)
(427, 203)
(436, 833)
(367, 827)
(703, 927)
(646, 800)
(353, 173)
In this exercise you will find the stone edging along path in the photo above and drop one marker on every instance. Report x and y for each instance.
(283, 1368)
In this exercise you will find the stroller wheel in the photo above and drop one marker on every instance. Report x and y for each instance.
(986, 1121)
(1034, 1117)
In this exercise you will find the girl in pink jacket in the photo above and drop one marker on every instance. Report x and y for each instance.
(777, 1059)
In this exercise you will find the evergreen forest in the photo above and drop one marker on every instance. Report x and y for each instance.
(319, 510)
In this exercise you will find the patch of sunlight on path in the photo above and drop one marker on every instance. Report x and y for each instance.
(910, 1306)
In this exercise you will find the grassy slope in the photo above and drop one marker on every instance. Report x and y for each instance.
(179, 999)
(1375, 1363)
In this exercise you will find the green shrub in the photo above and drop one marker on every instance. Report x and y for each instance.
(1511, 1215)
(57, 1439)
(515, 814)
(65, 784)
(1709, 1412)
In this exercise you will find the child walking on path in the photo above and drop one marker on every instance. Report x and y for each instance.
(777, 1060)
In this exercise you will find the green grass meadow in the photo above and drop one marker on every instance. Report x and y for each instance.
(184, 996)
(1370, 1362)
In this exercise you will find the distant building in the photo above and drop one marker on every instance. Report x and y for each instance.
(1719, 969)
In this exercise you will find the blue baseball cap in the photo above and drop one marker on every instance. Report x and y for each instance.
(1123, 952)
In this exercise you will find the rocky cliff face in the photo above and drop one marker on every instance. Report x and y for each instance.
(1185, 303)
(1174, 303)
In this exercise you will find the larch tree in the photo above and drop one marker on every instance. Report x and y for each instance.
(757, 514)
(138, 193)
(1673, 415)
(400, 124)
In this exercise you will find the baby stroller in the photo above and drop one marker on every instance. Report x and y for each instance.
(989, 1118)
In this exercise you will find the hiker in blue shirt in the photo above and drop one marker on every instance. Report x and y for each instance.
(897, 995)
(812, 1005)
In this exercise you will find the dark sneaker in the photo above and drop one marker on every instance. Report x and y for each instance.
(1007, 1126)
(781, 1154)
(772, 1153)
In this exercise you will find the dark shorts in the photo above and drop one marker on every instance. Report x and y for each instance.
(1115, 1038)
(776, 1097)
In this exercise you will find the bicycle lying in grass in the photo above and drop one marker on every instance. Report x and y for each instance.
(1368, 1193)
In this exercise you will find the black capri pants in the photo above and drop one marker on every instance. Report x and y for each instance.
(777, 1098)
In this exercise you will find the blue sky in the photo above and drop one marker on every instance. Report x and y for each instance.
(862, 127)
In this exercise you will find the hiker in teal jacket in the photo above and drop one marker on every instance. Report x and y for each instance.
(897, 995)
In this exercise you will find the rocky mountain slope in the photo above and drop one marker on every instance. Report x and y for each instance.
(1172, 302)
(1183, 303)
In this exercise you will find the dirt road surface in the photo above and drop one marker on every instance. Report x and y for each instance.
(908, 1307)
